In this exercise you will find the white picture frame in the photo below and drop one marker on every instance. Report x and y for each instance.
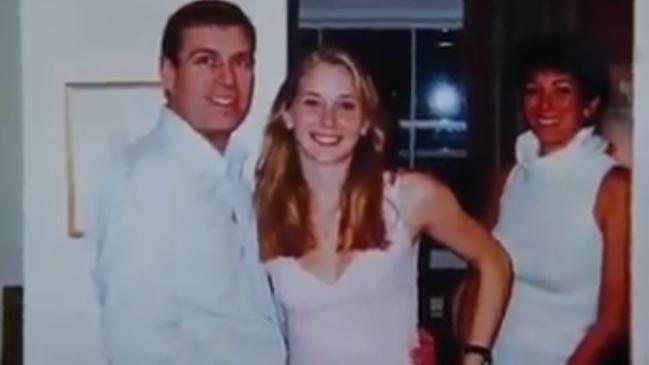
(101, 118)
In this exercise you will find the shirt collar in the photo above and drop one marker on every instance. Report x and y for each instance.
(584, 143)
(195, 152)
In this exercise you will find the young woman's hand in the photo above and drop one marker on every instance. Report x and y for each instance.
(426, 351)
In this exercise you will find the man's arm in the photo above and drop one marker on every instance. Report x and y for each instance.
(139, 317)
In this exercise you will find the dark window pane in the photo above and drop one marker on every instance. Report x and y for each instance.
(306, 40)
(386, 56)
(438, 75)
(400, 151)
(440, 107)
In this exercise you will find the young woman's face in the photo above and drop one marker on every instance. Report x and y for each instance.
(327, 116)
(554, 108)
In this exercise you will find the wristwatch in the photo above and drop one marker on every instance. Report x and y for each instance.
(482, 351)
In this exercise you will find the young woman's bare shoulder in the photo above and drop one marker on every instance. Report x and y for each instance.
(416, 181)
(421, 195)
(416, 188)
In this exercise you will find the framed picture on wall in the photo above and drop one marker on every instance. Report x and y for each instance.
(101, 119)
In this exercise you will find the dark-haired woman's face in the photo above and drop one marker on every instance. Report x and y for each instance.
(554, 108)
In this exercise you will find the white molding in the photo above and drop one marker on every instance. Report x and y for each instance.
(640, 203)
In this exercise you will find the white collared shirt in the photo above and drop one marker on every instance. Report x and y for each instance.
(177, 268)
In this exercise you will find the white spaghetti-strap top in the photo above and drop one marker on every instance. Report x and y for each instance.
(367, 317)
(547, 225)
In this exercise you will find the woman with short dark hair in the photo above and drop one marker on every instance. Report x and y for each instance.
(562, 213)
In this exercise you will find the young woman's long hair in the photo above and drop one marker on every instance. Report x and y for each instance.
(282, 197)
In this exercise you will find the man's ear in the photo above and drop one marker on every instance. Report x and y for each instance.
(591, 108)
(167, 74)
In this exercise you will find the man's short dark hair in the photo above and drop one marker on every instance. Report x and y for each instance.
(203, 13)
(570, 54)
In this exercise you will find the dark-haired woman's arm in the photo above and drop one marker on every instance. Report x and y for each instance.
(612, 211)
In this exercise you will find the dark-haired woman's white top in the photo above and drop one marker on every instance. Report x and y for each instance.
(547, 225)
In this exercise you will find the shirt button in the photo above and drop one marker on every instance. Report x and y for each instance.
(233, 217)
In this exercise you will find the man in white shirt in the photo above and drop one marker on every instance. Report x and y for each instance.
(177, 268)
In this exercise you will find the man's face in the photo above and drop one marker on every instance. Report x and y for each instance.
(211, 85)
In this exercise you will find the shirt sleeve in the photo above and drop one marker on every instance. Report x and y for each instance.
(136, 276)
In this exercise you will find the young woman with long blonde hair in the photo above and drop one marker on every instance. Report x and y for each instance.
(339, 232)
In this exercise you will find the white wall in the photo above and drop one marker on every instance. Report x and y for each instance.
(10, 149)
(10, 146)
(92, 40)
(640, 208)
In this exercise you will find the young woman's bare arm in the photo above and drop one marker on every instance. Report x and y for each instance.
(464, 299)
(431, 208)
